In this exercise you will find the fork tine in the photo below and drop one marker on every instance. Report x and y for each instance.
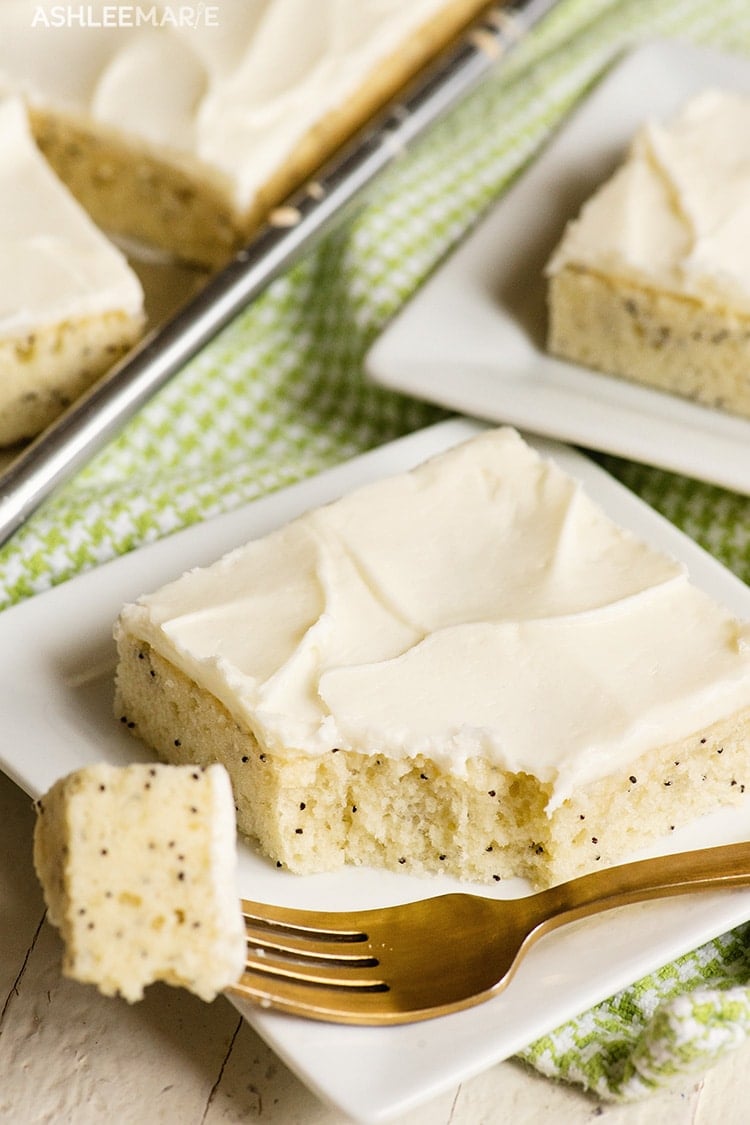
(346, 977)
(323, 952)
(331, 1004)
(311, 924)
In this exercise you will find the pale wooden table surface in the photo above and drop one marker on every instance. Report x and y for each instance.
(68, 1055)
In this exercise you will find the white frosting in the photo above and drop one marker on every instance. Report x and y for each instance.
(56, 265)
(235, 96)
(480, 605)
(677, 212)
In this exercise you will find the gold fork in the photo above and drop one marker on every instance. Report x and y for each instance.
(405, 963)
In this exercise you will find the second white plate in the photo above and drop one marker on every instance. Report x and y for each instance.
(473, 337)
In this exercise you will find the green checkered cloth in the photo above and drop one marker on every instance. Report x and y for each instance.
(280, 395)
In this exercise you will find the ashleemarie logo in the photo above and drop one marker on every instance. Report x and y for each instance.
(125, 15)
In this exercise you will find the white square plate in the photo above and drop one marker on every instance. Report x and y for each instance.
(56, 674)
(473, 337)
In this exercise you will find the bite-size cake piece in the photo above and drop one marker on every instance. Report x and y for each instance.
(465, 668)
(651, 281)
(70, 305)
(182, 126)
(138, 868)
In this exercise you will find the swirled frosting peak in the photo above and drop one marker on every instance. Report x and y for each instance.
(480, 605)
(677, 213)
(56, 265)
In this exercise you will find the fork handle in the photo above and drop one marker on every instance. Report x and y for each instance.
(662, 877)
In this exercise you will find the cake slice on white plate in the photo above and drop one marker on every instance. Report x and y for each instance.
(651, 282)
(466, 668)
(138, 868)
(70, 305)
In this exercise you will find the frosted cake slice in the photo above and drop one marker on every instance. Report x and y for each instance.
(465, 668)
(70, 305)
(186, 136)
(138, 868)
(652, 281)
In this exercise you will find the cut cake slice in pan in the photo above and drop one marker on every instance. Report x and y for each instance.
(70, 305)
